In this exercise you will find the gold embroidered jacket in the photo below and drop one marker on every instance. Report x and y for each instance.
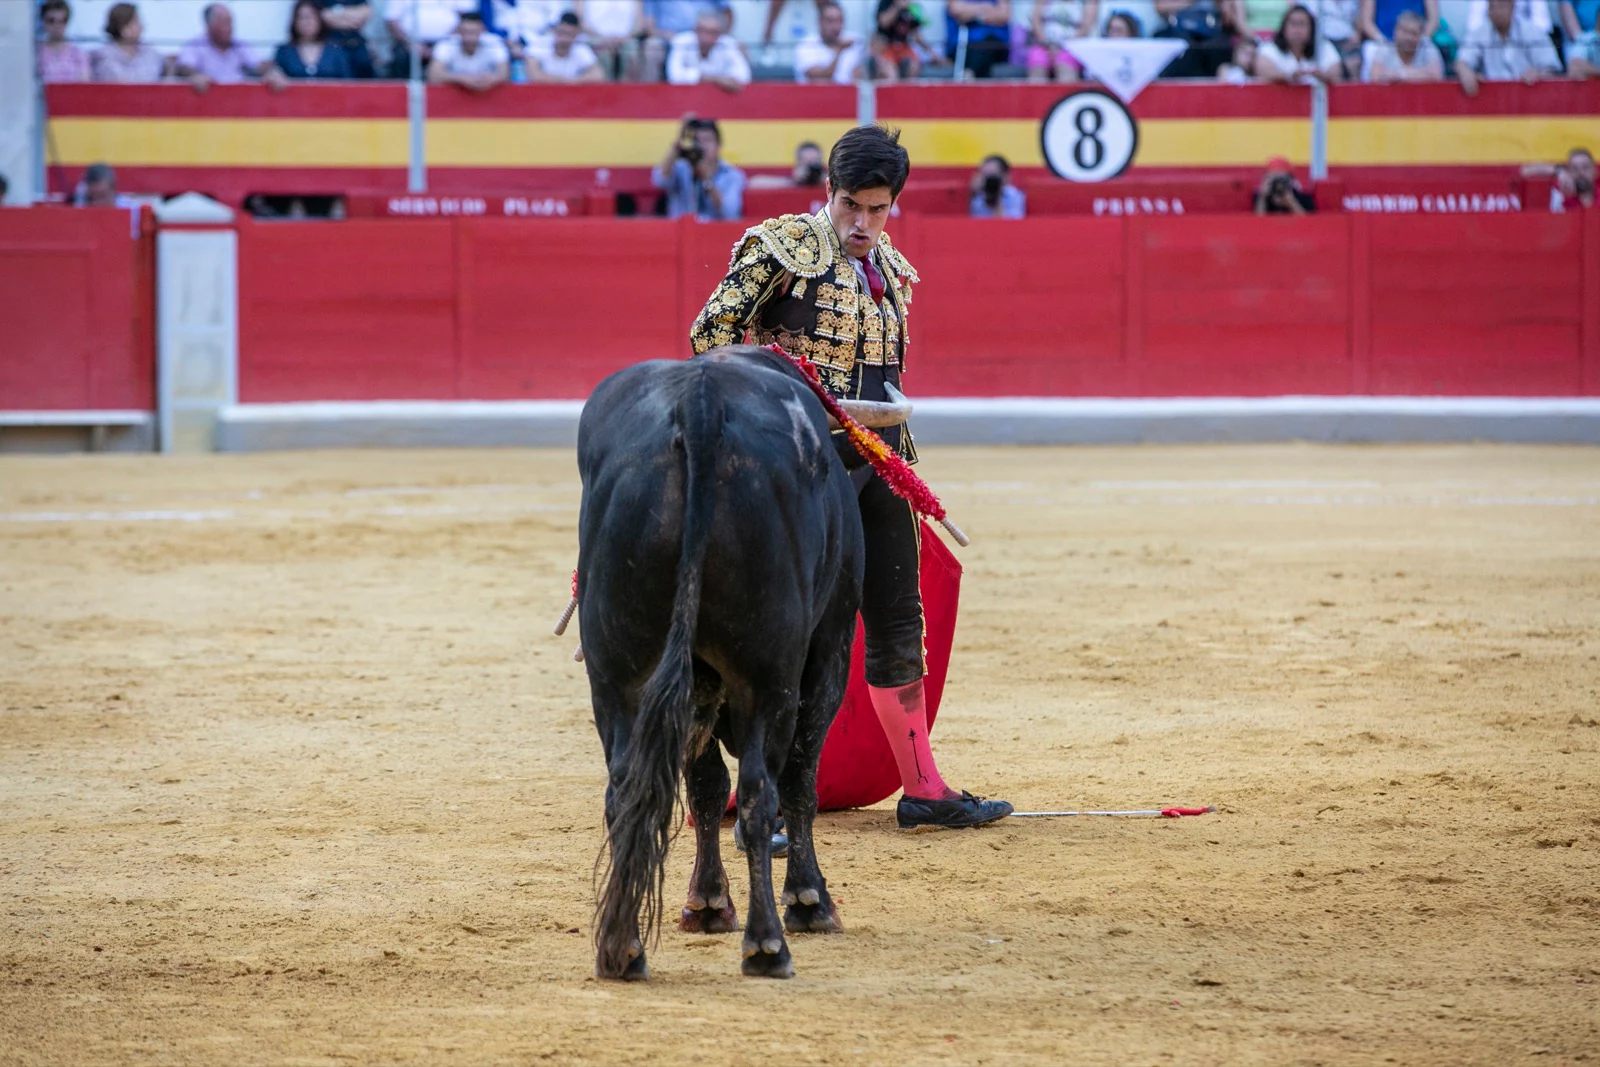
(789, 283)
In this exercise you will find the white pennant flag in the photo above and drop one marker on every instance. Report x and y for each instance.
(1125, 65)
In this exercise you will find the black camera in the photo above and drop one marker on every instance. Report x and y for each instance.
(689, 144)
(992, 184)
(1281, 185)
(812, 175)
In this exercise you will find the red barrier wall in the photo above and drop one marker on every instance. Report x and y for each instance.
(1190, 306)
(77, 311)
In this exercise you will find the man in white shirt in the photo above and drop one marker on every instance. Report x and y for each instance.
(526, 25)
(564, 58)
(708, 55)
(1505, 49)
(473, 59)
(427, 22)
(608, 26)
(828, 56)
(1408, 58)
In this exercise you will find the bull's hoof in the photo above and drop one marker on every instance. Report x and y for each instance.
(767, 959)
(708, 919)
(635, 970)
(809, 911)
(811, 919)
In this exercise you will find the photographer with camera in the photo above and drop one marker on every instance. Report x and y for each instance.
(993, 195)
(1280, 194)
(808, 171)
(695, 177)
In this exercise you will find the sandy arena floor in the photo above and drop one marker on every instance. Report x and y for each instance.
(293, 773)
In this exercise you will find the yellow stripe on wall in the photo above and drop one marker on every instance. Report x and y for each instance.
(232, 142)
(1456, 141)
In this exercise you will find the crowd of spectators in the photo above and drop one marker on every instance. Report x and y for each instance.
(480, 43)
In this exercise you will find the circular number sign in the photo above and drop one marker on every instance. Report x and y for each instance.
(1089, 137)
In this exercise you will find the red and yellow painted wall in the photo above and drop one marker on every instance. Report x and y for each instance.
(331, 138)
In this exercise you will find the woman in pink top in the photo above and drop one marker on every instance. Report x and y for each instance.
(125, 59)
(59, 59)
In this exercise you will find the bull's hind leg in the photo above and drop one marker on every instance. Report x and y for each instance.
(709, 909)
(766, 955)
(807, 906)
(808, 909)
(620, 951)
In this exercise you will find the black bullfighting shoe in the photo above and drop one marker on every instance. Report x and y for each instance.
(780, 840)
(953, 813)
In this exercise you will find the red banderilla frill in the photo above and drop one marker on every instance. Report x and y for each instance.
(895, 472)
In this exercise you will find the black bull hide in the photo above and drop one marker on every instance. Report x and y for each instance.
(719, 574)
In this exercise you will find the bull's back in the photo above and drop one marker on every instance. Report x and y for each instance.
(777, 501)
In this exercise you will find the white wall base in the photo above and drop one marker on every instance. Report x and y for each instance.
(1006, 420)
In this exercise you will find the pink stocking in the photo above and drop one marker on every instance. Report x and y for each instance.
(903, 714)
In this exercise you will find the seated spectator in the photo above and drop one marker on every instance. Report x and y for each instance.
(1337, 19)
(1122, 24)
(1573, 188)
(809, 170)
(1240, 70)
(898, 48)
(59, 59)
(1535, 13)
(1504, 49)
(1580, 24)
(474, 58)
(564, 59)
(126, 59)
(993, 195)
(1055, 22)
(1207, 27)
(1408, 58)
(608, 26)
(421, 22)
(1575, 183)
(344, 20)
(1377, 18)
(707, 55)
(99, 189)
(524, 24)
(1583, 58)
(828, 56)
(1280, 194)
(308, 53)
(216, 58)
(695, 177)
(668, 20)
(1296, 56)
(774, 9)
(988, 26)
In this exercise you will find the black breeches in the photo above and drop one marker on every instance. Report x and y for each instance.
(891, 595)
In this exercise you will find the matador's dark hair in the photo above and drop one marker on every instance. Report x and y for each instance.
(869, 157)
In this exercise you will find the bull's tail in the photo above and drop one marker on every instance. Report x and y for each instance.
(645, 801)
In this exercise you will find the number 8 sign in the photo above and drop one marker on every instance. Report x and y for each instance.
(1089, 137)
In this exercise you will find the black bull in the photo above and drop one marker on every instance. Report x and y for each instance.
(719, 570)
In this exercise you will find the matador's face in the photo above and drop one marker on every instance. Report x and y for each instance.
(858, 217)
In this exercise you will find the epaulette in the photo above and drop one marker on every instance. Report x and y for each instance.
(800, 243)
(895, 261)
